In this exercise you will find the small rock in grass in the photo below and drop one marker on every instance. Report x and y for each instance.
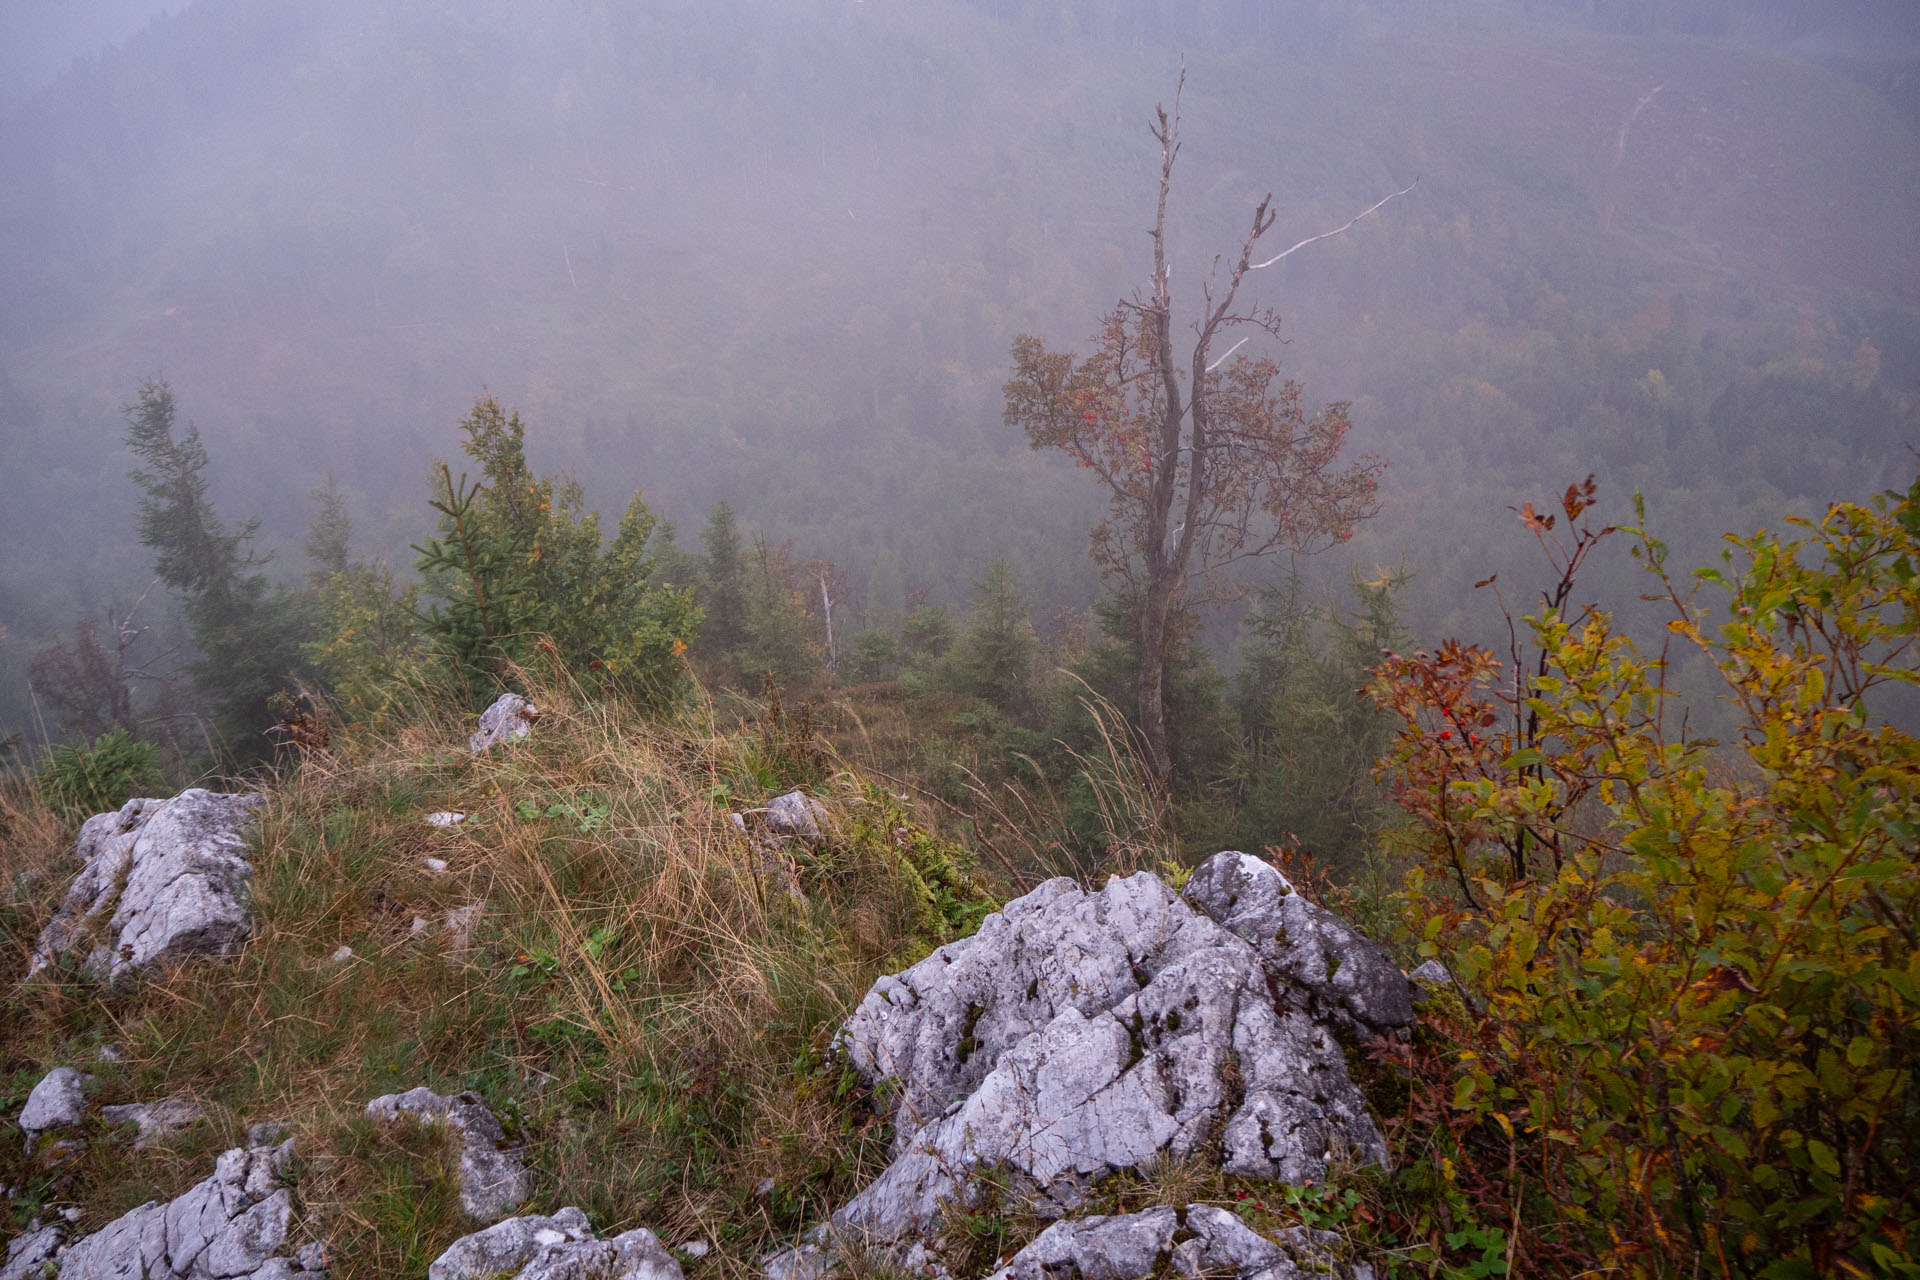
(436, 865)
(59, 1101)
(511, 716)
(266, 1133)
(796, 814)
(493, 1171)
(461, 922)
(446, 818)
(155, 1120)
(561, 1247)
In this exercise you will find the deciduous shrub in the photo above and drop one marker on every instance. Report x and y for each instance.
(1690, 969)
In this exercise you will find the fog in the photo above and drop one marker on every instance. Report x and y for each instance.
(776, 253)
(44, 37)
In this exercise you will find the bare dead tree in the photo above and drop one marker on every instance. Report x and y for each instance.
(89, 682)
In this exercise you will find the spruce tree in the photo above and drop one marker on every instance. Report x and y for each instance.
(723, 592)
(247, 632)
(519, 567)
(994, 660)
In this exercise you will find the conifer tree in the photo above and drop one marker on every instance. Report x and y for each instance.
(776, 642)
(330, 534)
(723, 594)
(994, 660)
(247, 631)
(519, 561)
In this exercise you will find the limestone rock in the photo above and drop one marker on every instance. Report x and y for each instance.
(266, 1133)
(493, 1172)
(1198, 1240)
(162, 879)
(1078, 1034)
(153, 1121)
(461, 923)
(796, 814)
(1343, 977)
(561, 1247)
(233, 1225)
(29, 1252)
(511, 716)
(802, 1262)
(59, 1101)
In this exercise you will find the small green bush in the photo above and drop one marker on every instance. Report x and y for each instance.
(519, 569)
(92, 778)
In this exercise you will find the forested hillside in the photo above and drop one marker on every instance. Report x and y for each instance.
(777, 257)
(788, 657)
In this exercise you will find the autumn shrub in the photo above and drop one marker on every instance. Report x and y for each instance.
(1683, 1036)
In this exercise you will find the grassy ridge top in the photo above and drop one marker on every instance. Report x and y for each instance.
(645, 996)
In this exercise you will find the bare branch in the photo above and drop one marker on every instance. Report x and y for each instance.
(1325, 235)
(1230, 350)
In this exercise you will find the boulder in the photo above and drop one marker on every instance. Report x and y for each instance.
(561, 1247)
(161, 880)
(510, 717)
(1198, 1240)
(59, 1101)
(493, 1171)
(1343, 977)
(1079, 1034)
(234, 1224)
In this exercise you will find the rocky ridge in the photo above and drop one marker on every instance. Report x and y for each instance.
(1076, 1035)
